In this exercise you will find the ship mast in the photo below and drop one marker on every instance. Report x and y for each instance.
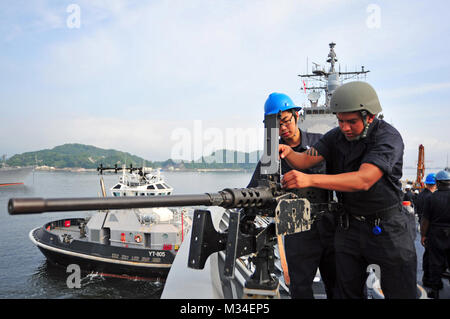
(332, 57)
(332, 79)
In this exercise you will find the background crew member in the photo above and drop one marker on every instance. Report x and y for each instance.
(364, 158)
(409, 196)
(305, 251)
(430, 187)
(435, 230)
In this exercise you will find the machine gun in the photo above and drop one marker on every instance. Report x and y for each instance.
(140, 170)
(291, 212)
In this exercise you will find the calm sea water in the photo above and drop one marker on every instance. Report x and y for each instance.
(24, 271)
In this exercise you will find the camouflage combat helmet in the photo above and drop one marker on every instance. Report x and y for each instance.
(355, 96)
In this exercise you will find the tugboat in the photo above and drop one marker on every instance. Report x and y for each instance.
(134, 243)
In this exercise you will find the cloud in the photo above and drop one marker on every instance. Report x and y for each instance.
(88, 60)
(425, 88)
(158, 65)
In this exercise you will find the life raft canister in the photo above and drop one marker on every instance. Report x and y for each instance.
(138, 238)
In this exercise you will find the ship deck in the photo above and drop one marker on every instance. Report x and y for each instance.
(73, 231)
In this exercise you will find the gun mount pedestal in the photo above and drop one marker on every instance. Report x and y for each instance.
(262, 284)
(240, 239)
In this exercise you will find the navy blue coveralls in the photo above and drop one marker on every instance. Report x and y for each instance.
(437, 211)
(419, 207)
(356, 245)
(409, 196)
(420, 202)
(307, 251)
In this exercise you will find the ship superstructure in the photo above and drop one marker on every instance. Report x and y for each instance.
(319, 86)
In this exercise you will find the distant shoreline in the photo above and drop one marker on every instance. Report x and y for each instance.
(89, 170)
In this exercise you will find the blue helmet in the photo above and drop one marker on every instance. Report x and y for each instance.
(431, 179)
(443, 176)
(279, 102)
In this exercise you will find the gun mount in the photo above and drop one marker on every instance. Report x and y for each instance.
(292, 211)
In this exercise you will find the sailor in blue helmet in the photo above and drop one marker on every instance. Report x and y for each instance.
(364, 158)
(430, 187)
(435, 231)
(305, 251)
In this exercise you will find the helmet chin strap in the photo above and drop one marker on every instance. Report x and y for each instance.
(366, 123)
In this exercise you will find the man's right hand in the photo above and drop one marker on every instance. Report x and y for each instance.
(284, 150)
(297, 160)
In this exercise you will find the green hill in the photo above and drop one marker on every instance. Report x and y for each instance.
(75, 155)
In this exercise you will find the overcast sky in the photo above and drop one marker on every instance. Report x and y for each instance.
(158, 78)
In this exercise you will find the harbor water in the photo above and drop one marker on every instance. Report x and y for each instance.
(24, 271)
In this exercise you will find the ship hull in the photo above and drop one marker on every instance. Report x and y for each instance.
(101, 258)
(107, 269)
(13, 175)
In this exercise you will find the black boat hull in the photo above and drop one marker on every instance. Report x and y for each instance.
(105, 268)
(101, 258)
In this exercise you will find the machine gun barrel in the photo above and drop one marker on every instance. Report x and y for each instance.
(227, 198)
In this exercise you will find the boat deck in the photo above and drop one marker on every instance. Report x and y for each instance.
(73, 231)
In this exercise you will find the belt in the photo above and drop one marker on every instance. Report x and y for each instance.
(319, 209)
(377, 216)
(373, 219)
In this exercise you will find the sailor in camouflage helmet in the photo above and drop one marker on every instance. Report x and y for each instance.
(364, 160)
